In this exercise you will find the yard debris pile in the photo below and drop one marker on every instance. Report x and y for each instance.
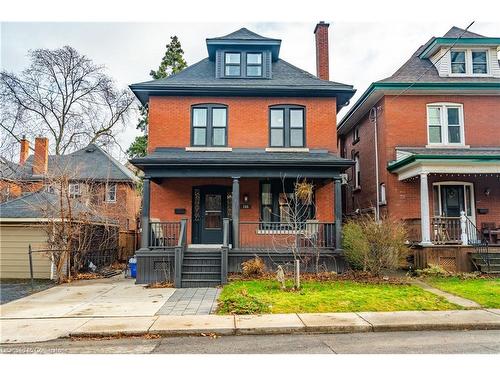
(158, 284)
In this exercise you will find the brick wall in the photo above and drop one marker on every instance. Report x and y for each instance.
(248, 121)
(403, 122)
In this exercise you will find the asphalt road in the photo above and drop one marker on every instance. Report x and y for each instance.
(423, 342)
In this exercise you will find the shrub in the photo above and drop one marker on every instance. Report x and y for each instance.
(433, 270)
(253, 267)
(372, 246)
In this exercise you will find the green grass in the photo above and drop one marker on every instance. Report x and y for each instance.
(486, 292)
(265, 296)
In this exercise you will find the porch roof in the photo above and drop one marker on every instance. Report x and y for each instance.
(178, 162)
(412, 161)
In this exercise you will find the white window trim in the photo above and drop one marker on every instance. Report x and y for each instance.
(74, 192)
(108, 186)
(382, 194)
(444, 125)
(468, 63)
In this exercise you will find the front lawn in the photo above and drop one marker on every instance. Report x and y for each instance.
(485, 291)
(265, 296)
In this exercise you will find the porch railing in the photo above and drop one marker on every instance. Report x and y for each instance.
(446, 230)
(164, 234)
(180, 248)
(280, 236)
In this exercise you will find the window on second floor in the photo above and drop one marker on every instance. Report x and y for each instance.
(74, 190)
(445, 124)
(232, 64)
(355, 135)
(209, 125)
(357, 172)
(287, 126)
(110, 193)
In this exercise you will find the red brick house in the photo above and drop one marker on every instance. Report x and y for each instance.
(229, 138)
(94, 178)
(432, 132)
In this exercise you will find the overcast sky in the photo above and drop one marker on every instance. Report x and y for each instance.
(360, 53)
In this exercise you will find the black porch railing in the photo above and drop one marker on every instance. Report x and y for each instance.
(164, 234)
(478, 242)
(271, 235)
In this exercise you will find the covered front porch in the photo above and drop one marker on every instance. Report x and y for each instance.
(225, 208)
(456, 202)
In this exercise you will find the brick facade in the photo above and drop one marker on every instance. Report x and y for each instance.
(402, 122)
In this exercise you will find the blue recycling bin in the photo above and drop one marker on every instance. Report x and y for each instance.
(132, 265)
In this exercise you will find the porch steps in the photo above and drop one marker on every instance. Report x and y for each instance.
(480, 260)
(201, 268)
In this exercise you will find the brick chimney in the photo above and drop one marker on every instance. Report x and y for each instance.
(41, 158)
(25, 150)
(322, 63)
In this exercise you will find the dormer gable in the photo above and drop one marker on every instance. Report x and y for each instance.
(461, 53)
(243, 54)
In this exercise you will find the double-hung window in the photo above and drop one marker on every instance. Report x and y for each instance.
(479, 62)
(445, 124)
(74, 190)
(357, 172)
(254, 64)
(209, 125)
(458, 64)
(110, 193)
(232, 64)
(287, 126)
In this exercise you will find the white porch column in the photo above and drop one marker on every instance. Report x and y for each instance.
(424, 210)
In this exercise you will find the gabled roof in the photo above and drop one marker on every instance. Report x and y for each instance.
(44, 205)
(418, 74)
(88, 163)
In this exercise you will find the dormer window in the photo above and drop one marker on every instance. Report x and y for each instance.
(232, 64)
(254, 64)
(458, 62)
(479, 62)
(469, 62)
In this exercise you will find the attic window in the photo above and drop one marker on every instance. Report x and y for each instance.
(458, 62)
(254, 64)
(469, 62)
(232, 63)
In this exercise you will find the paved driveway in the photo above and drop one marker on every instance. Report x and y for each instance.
(112, 297)
(11, 290)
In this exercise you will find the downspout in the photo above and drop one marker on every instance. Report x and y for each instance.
(373, 118)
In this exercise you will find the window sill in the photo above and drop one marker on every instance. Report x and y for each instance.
(381, 204)
(356, 189)
(470, 75)
(287, 149)
(227, 149)
(355, 141)
(442, 145)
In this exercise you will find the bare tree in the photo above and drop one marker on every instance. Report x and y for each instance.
(63, 95)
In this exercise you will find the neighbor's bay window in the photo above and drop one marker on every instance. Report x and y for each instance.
(287, 126)
(209, 125)
(445, 124)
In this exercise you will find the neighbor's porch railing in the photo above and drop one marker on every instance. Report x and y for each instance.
(311, 234)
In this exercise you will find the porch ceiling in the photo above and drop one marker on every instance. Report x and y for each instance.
(170, 162)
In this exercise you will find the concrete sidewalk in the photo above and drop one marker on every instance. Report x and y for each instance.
(45, 329)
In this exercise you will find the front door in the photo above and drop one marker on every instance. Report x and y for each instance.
(207, 229)
(453, 199)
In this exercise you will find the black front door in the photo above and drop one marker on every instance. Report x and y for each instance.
(452, 200)
(207, 229)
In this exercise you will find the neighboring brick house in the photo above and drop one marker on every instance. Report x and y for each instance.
(228, 139)
(438, 130)
(95, 178)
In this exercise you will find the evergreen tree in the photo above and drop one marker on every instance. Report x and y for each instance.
(171, 63)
